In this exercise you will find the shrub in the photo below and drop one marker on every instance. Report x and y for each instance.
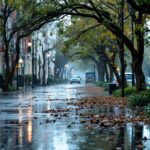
(28, 79)
(127, 91)
(147, 109)
(50, 80)
(105, 86)
(117, 93)
(130, 90)
(146, 92)
(11, 88)
(102, 84)
(140, 99)
(99, 83)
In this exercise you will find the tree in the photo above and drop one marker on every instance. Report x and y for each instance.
(26, 17)
(107, 14)
(60, 61)
(91, 42)
(140, 6)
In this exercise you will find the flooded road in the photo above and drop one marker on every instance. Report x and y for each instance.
(41, 119)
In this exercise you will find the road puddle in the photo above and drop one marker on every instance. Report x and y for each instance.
(55, 118)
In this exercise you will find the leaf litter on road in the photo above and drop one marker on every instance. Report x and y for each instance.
(105, 119)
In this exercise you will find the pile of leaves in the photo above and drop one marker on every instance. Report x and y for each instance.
(98, 101)
(107, 120)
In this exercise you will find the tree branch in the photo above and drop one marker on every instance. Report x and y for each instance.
(144, 8)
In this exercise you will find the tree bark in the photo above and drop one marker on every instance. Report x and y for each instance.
(100, 70)
(110, 73)
(138, 58)
(10, 70)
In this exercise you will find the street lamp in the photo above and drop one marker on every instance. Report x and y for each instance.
(17, 67)
(118, 69)
(29, 44)
(21, 65)
(32, 50)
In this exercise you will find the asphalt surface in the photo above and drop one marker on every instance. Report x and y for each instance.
(41, 119)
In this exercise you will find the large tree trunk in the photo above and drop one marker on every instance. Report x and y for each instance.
(6, 80)
(112, 65)
(5, 86)
(138, 58)
(100, 70)
(140, 78)
(9, 74)
(110, 73)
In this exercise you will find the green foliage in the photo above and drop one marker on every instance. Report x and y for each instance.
(105, 86)
(98, 83)
(102, 84)
(141, 2)
(141, 99)
(146, 92)
(11, 88)
(147, 109)
(128, 91)
(28, 79)
(50, 80)
(117, 93)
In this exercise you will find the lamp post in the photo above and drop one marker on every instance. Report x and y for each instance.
(21, 64)
(32, 51)
(17, 67)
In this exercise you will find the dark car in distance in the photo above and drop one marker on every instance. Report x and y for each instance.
(89, 77)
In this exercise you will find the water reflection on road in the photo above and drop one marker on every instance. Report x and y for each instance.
(30, 121)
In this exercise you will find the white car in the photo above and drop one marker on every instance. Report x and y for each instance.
(128, 76)
(75, 79)
(147, 80)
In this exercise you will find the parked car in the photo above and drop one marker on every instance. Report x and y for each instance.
(75, 79)
(147, 80)
(128, 76)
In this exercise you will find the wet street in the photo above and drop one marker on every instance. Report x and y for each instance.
(44, 119)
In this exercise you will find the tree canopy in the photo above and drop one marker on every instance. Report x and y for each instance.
(31, 15)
